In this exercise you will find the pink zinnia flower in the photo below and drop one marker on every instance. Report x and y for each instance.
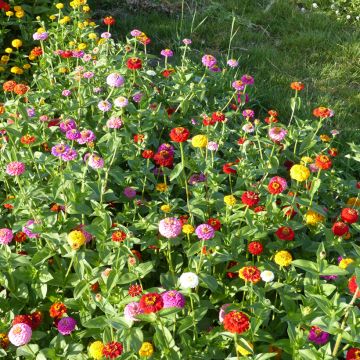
(20, 334)
(187, 41)
(121, 102)
(238, 85)
(115, 80)
(247, 79)
(95, 161)
(15, 168)
(208, 61)
(167, 53)
(6, 235)
(131, 310)
(277, 134)
(104, 105)
(205, 232)
(232, 63)
(170, 227)
(277, 185)
(114, 123)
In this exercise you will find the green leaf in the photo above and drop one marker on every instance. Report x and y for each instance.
(333, 270)
(127, 278)
(209, 281)
(176, 171)
(80, 288)
(27, 350)
(306, 265)
(97, 322)
(315, 186)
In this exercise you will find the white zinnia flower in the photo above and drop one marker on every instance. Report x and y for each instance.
(315, 5)
(189, 280)
(267, 276)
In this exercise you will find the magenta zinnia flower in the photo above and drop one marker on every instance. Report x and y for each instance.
(67, 125)
(247, 79)
(59, 149)
(205, 232)
(170, 227)
(248, 113)
(20, 334)
(208, 61)
(6, 235)
(238, 85)
(66, 325)
(277, 134)
(129, 192)
(173, 298)
(73, 134)
(167, 53)
(71, 154)
(15, 168)
(318, 336)
(86, 136)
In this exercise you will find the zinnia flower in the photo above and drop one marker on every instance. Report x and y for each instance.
(112, 350)
(230, 200)
(277, 134)
(250, 198)
(318, 336)
(66, 325)
(96, 350)
(115, 80)
(352, 286)
(250, 273)
(267, 276)
(205, 232)
(340, 228)
(170, 227)
(6, 236)
(349, 215)
(131, 310)
(179, 134)
(199, 141)
(236, 322)
(20, 334)
(353, 354)
(208, 61)
(313, 218)
(75, 239)
(283, 258)
(299, 172)
(15, 168)
(57, 310)
(146, 349)
(188, 280)
(277, 185)
(173, 298)
(323, 162)
(297, 85)
(255, 248)
(285, 233)
(151, 302)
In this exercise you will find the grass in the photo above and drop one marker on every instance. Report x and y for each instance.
(274, 41)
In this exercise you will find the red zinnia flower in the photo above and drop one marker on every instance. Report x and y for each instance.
(21, 89)
(218, 116)
(340, 228)
(285, 233)
(184, 219)
(66, 54)
(166, 73)
(236, 322)
(349, 215)
(250, 198)
(139, 138)
(333, 152)
(151, 302)
(36, 51)
(20, 237)
(36, 318)
(255, 248)
(118, 236)
(259, 208)
(227, 168)
(57, 310)
(289, 211)
(25, 319)
(95, 287)
(27, 139)
(353, 354)
(352, 285)
(147, 154)
(322, 112)
(112, 350)
(271, 120)
(4, 6)
(232, 275)
(214, 223)
(323, 162)
(137, 254)
(9, 85)
(134, 290)
(164, 158)
(134, 63)
(273, 113)
(250, 273)
(109, 20)
(297, 85)
(208, 121)
(179, 134)
(277, 185)
(241, 140)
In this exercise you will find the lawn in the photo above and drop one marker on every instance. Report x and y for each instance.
(274, 41)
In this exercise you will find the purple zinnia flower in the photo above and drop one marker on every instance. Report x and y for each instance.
(121, 102)
(137, 97)
(6, 236)
(170, 227)
(67, 125)
(215, 69)
(247, 79)
(131, 310)
(115, 80)
(71, 154)
(86, 136)
(59, 149)
(197, 178)
(238, 85)
(72, 134)
(129, 192)
(205, 232)
(173, 298)
(66, 325)
(20, 334)
(329, 277)
(114, 123)
(66, 92)
(95, 161)
(15, 168)
(318, 336)
(31, 112)
(27, 230)
(167, 52)
(232, 63)
(208, 61)
(166, 147)
(104, 105)
(277, 134)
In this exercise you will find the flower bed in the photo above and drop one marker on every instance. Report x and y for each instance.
(152, 209)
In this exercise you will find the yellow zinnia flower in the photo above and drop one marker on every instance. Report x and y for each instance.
(59, 6)
(146, 349)
(16, 43)
(313, 218)
(283, 258)
(306, 160)
(230, 200)
(188, 229)
(344, 263)
(96, 350)
(165, 208)
(75, 239)
(299, 172)
(353, 201)
(161, 187)
(16, 70)
(199, 141)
